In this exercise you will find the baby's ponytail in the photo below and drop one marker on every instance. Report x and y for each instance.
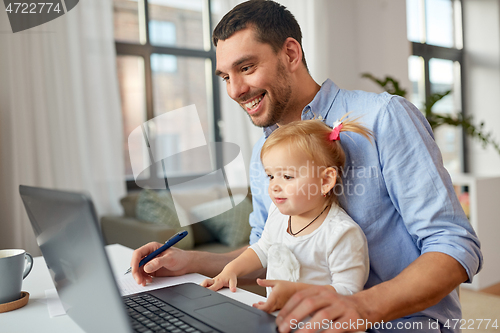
(349, 125)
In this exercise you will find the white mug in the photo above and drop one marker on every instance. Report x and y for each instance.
(13, 270)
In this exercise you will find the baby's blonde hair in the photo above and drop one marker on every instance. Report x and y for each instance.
(312, 137)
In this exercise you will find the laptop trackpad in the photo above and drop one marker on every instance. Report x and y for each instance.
(188, 291)
(227, 314)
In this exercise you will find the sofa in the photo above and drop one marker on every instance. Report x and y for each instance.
(151, 216)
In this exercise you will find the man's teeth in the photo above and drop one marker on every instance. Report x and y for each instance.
(251, 104)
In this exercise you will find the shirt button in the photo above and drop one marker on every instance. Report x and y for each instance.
(319, 117)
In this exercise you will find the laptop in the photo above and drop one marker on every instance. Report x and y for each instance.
(67, 231)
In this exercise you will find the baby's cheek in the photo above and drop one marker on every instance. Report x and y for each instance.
(290, 189)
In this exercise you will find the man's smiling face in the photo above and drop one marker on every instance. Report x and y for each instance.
(256, 77)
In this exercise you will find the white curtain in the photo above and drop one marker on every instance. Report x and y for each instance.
(60, 118)
(311, 15)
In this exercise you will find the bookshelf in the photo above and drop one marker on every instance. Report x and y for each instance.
(483, 210)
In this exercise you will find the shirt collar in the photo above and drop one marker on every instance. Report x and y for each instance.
(318, 108)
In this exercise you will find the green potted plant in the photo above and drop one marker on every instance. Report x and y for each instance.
(391, 85)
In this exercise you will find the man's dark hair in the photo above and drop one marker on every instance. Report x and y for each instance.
(272, 22)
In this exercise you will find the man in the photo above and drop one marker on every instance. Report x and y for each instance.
(420, 243)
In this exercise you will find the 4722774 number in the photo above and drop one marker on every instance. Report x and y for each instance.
(471, 324)
(32, 8)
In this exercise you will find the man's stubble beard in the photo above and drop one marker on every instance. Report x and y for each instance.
(281, 95)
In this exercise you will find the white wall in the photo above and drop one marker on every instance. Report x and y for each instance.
(366, 36)
(341, 40)
(482, 64)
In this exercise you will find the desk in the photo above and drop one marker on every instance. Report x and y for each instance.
(34, 317)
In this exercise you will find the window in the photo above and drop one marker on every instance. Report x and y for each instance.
(162, 33)
(166, 61)
(435, 30)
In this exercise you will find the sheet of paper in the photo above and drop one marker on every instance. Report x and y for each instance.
(128, 286)
(54, 304)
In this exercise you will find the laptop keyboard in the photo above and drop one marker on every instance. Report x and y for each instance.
(150, 314)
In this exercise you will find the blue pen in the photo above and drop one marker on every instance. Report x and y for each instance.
(172, 241)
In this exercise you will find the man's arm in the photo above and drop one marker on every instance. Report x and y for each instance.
(174, 262)
(217, 261)
(422, 284)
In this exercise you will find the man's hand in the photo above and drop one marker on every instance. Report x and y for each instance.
(226, 278)
(422, 284)
(172, 262)
(324, 304)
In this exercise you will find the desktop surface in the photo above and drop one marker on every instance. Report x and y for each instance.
(34, 317)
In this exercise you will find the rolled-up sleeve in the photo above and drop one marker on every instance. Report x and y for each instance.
(421, 188)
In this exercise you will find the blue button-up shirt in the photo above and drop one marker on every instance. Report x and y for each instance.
(395, 188)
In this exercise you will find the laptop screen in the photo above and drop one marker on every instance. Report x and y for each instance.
(66, 229)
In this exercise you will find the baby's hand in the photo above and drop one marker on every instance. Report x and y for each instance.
(224, 279)
(282, 291)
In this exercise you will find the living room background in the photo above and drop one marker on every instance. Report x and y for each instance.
(61, 123)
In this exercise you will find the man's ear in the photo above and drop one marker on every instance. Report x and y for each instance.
(293, 53)
(328, 179)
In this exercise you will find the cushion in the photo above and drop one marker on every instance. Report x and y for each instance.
(201, 234)
(158, 207)
(231, 228)
(129, 202)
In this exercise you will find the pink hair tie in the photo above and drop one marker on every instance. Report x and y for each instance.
(335, 133)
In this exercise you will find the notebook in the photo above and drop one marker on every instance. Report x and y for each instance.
(67, 231)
